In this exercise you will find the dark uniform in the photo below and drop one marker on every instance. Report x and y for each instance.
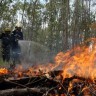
(15, 48)
(5, 39)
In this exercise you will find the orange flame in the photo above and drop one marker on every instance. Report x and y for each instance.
(80, 61)
(3, 71)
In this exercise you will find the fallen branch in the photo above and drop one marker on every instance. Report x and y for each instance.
(23, 91)
(28, 83)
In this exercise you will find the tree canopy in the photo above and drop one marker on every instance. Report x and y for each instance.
(57, 24)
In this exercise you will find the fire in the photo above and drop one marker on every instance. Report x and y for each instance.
(3, 71)
(34, 70)
(80, 61)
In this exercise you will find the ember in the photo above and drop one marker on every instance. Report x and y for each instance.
(3, 71)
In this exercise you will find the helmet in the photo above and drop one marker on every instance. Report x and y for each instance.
(7, 30)
(18, 25)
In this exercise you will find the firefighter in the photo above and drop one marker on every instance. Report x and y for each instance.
(5, 39)
(16, 35)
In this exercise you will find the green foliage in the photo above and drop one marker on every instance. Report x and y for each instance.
(3, 63)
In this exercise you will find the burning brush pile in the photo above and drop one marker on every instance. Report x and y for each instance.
(72, 74)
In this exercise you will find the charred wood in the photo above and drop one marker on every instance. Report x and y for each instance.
(23, 92)
(28, 82)
(50, 85)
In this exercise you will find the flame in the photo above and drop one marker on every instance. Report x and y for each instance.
(34, 70)
(80, 61)
(3, 71)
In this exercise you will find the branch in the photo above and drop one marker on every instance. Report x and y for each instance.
(22, 91)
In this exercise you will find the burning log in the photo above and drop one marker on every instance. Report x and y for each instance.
(79, 86)
(51, 84)
(8, 86)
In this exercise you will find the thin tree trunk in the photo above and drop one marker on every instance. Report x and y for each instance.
(64, 16)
